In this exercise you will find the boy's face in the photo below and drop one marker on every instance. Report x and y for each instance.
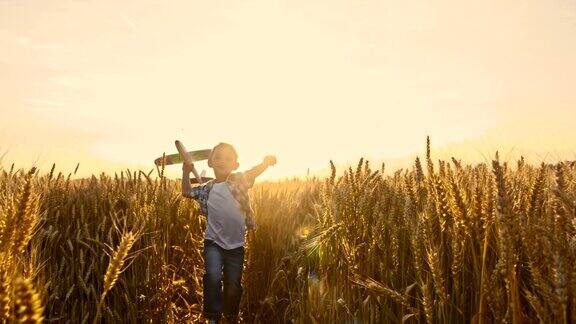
(223, 161)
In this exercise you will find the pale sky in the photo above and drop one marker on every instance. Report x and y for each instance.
(112, 84)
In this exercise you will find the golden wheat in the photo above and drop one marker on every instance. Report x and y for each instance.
(451, 243)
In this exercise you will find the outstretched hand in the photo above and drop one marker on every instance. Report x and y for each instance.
(269, 160)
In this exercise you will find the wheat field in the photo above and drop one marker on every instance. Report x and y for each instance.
(440, 242)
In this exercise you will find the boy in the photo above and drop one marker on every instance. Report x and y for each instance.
(225, 203)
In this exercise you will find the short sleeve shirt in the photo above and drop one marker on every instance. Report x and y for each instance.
(226, 206)
(226, 221)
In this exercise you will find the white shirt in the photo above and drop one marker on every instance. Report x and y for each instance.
(225, 222)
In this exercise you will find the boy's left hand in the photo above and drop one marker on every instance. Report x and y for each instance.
(251, 224)
(269, 160)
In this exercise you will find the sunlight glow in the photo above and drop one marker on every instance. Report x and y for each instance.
(307, 81)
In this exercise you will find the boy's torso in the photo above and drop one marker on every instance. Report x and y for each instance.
(225, 221)
(226, 205)
(238, 185)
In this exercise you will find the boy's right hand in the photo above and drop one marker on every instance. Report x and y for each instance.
(269, 160)
(187, 167)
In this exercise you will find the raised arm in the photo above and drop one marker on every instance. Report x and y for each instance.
(186, 186)
(257, 170)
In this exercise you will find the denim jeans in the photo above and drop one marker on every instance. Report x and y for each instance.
(222, 264)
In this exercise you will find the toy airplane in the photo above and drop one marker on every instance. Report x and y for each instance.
(188, 156)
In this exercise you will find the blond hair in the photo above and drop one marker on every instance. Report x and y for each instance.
(227, 146)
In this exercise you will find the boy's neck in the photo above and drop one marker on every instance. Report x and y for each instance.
(221, 177)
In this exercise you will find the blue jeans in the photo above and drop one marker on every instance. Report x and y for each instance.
(217, 261)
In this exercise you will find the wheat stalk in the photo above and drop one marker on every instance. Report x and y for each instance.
(28, 308)
(115, 268)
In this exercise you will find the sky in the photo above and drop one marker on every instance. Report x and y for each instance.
(111, 84)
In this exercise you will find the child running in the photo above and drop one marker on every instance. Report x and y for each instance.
(226, 204)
